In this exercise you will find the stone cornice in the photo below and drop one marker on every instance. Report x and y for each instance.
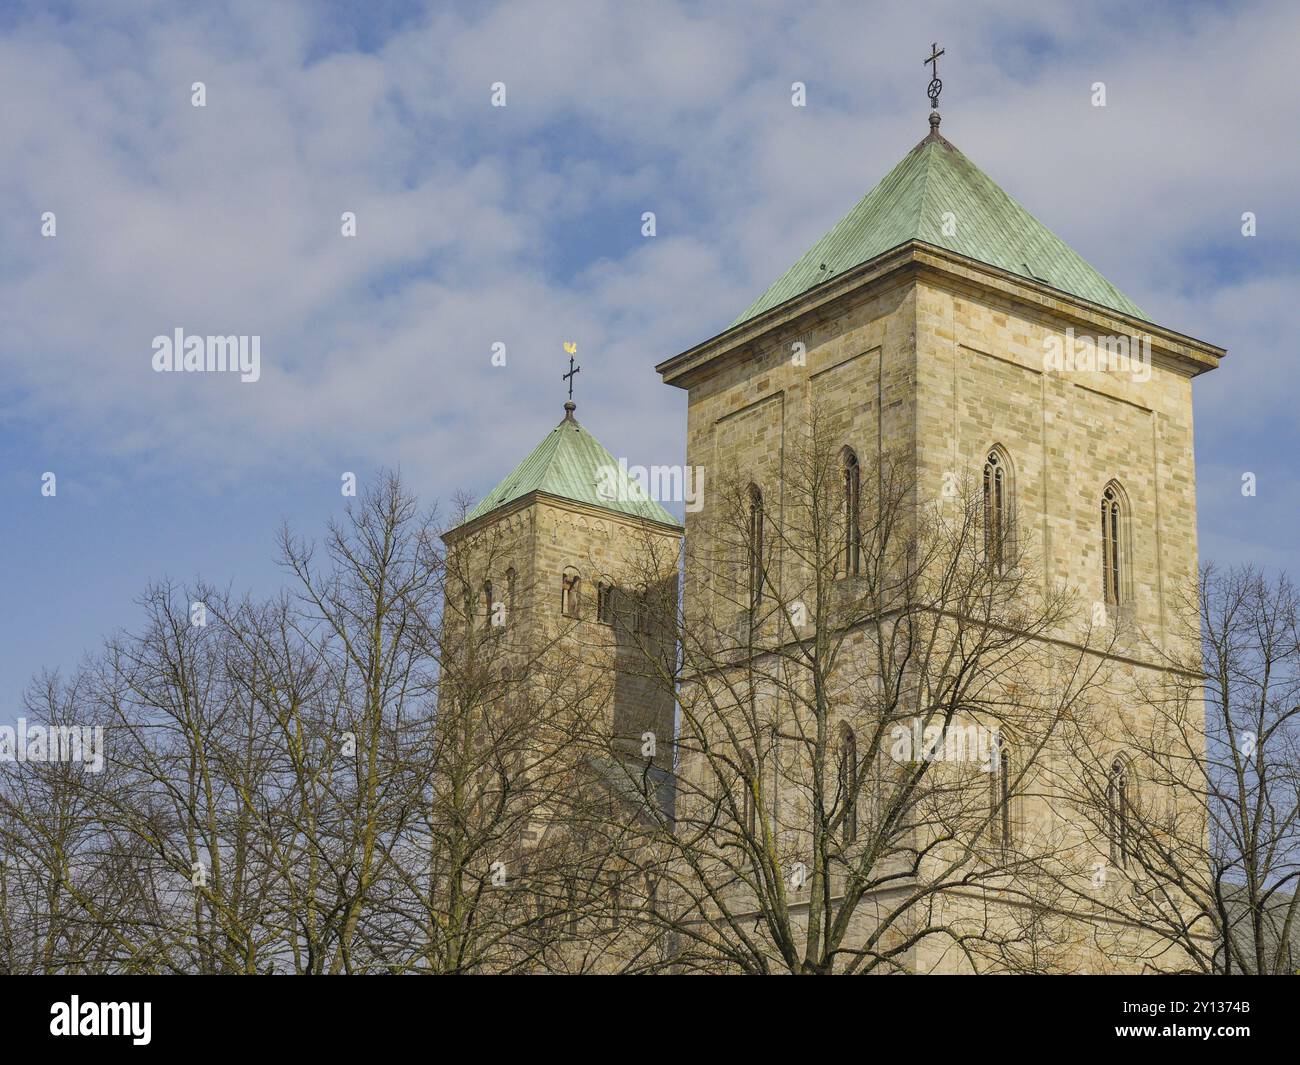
(483, 520)
(916, 259)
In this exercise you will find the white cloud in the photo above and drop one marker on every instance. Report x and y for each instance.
(226, 219)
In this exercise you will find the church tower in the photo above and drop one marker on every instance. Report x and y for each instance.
(939, 312)
(941, 321)
(566, 557)
(553, 739)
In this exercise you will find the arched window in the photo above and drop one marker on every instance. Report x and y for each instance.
(605, 601)
(849, 781)
(641, 610)
(510, 592)
(570, 584)
(852, 516)
(776, 767)
(1000, 792)
(615, 904)
(748, 814)
(1114, 517)
(488, 601)
(755, 547)
(997, 510)
(1117, 812)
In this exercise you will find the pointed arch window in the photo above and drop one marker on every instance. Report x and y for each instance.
(1000, 792)
(1113, 555)
(774, 777)
(848, 781)
(852, 475)
(510, 593)
(1117, 812)
(748, 813)
(997, 509)
(570, 592)
(755, 547)
(488, 600)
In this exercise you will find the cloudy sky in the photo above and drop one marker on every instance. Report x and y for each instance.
(521, 225)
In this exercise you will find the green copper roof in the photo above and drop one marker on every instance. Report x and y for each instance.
(934, 178)
(573, 464)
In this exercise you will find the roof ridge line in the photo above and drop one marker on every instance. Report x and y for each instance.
(927, 182)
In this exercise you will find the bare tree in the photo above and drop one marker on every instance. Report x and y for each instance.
(896, 750)
(868, 695)
(1195, 794)
(367, 775)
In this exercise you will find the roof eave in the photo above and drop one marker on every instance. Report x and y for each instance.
(537, 495)
(911, 258)
(458, 532)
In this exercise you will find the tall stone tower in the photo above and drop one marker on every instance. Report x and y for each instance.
(940, 319)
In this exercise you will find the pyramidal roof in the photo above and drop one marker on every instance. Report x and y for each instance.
(572, 464)
(913, 203)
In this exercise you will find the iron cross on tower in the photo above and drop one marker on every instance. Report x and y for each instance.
(936, 86)
(570, 349)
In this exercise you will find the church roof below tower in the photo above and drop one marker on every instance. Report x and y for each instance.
(937, 195)
(572, 464)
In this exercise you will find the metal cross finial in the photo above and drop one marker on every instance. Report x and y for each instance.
(572, 349)
(936, 86)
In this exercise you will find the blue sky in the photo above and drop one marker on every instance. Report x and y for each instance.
(522, 225)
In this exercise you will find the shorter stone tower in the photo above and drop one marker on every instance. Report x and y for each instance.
(569, 554)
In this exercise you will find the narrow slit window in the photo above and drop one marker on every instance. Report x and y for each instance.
(1000, 793)
(755, 547)
(849, 782)
(852, 514)
(1117, 813)
(1112, 554)
(748, 813)
(997, 511)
